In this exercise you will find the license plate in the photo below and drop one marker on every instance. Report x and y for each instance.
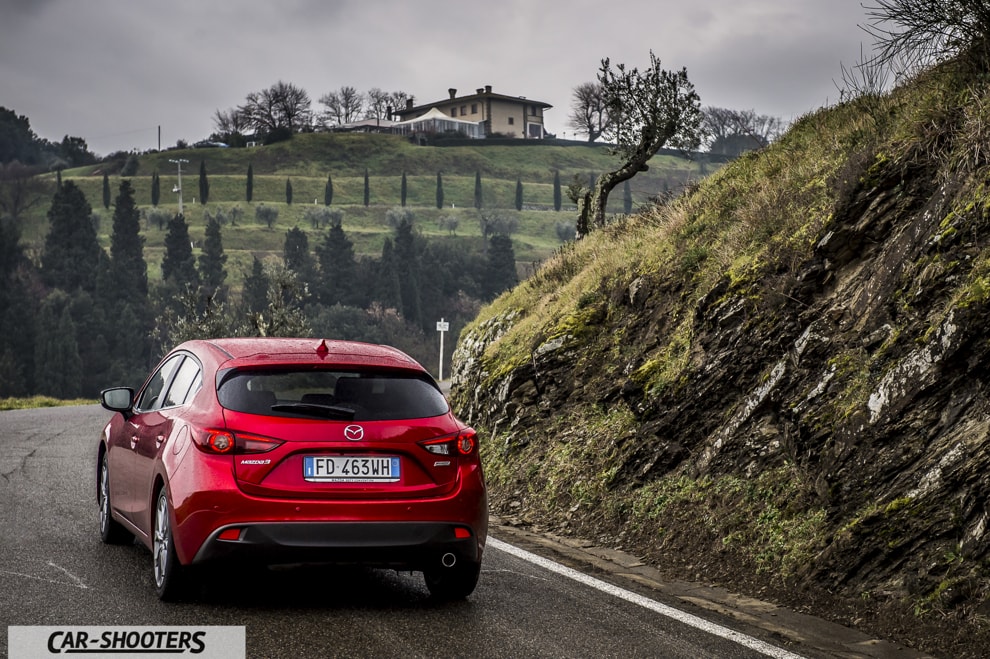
(360, 469)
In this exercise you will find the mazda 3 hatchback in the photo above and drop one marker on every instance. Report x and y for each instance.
(292, 451)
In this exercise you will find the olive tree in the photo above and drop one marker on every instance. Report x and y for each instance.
(650, 110)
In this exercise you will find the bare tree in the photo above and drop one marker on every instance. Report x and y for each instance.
(343, 106)
(281, 106)
(649, 110)
(20, 189)
(230, 122)
(719, 123)
(377, 104)
(731, 132)
(398, 100)
(588, 112)
(923, 32)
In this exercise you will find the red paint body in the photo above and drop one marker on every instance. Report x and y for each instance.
(262, 499)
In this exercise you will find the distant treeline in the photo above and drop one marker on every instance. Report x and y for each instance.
(77, 318)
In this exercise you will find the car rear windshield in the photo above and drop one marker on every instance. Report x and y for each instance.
(343, 395)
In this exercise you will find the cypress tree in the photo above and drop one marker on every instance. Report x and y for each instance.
(249, 192)
(71, 255)
(254, 297)
(337, 268)
(18, 310)
(59, 368)
(295, 250)
(156, 190)
(288, 191)
(556, 190)
(367, 188)
(106, 191)
(519, 194)
(477, 190)
(403, 189)
(328, 192)
(406, 255)
(18, 335)
(130, 271)
(627, 198)
(91, 327)
(439, 190)
(386, 290)
(179, 264)
(204, 184)
(297, 256)
(130, 347)
(125, 293)
(212, 260)
(500, 273)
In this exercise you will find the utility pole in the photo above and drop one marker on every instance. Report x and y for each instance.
(178, 188)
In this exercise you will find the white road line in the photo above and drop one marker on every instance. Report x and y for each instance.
(645, 602)
(79, 582)
(76, 581)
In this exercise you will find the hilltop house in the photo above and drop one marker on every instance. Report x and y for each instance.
(495, 114)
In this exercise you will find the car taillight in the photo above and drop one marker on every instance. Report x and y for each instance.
(255, 444)
(463, 443)
(216, 441)
(224, 442)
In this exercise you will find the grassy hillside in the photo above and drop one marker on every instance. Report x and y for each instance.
(778, 382)
(309, 159)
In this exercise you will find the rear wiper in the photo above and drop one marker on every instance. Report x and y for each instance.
(317, 410)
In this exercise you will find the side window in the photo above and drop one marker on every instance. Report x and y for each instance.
(181, 389)
(151, 396)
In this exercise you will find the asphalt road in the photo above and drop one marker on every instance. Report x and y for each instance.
(55, 571)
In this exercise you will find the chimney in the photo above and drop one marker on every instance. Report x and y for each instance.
(488, 89)
(479, 91)
(452, 92)
(409, 103)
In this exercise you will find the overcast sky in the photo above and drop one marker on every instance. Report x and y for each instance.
(113, 71)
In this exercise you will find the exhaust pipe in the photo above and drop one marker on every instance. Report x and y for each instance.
(448, 560)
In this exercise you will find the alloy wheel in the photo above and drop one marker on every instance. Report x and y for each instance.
(104, 497)
(162, 539)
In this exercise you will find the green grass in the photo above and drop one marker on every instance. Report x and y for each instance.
(307, 160)
(39, 401)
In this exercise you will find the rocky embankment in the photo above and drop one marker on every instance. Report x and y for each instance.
(778, 383)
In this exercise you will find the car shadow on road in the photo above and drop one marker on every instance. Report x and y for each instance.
(314, 587)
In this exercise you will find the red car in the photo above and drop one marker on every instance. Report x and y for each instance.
(293, 451)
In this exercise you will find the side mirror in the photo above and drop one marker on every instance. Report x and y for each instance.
(117, 399)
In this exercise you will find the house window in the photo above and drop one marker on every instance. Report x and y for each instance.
(453, 111)
(474, 108)
(463, 110)
(512, 121)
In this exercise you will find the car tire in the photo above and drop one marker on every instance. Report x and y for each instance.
(452, 583)
(171, 577)
(111, 531)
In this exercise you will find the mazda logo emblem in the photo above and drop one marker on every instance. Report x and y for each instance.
(354, 433)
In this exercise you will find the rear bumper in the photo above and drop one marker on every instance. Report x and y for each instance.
(369, 531)
(401, 545)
